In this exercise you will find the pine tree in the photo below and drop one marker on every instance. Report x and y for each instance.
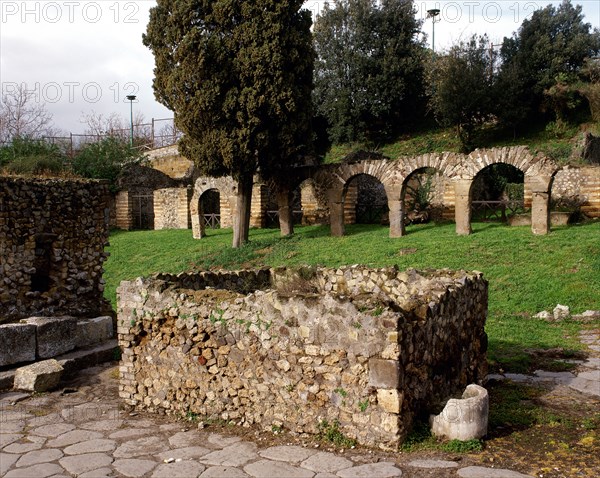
(238, 76)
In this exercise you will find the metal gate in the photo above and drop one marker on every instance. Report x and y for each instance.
(142, 211)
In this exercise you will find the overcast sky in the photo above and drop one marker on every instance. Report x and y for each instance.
(83, 56)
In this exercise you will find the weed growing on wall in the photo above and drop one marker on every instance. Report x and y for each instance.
(330, 432)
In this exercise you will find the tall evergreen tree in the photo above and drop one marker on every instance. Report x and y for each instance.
(554, 41)
(368, 73)
(238, 76)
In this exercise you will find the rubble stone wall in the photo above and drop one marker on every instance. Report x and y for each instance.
(578, 187)
(52, 238)
(171, 209)
(367, 349)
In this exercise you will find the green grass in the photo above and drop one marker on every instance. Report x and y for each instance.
(526, 273)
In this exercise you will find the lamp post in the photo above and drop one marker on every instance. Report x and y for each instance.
(131, 99)
(433, 14)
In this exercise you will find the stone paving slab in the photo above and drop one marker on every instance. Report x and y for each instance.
(433, 464)
(183, 468)
(233, 455)
(370, 470)
(53, 430)
(98, 445)
(98, 473)
(186, 453)
(85, 433)
(102, 425)
(22, 447)
(224, 472)
(39, 456)
(6, 461)
(326, 462)
(484, 472)
(8, 438)
(72, 437)
(290, 453)
(134, 467)
(139, 447)
(78, 464)
(42, 470)
(269, 469)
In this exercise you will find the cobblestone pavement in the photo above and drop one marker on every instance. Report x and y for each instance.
(82, 430)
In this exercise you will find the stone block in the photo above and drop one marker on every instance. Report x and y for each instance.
(7, 379)
(17, 343)
(38, 377)
(389, 400)
(93, 331)
(561, 312)
(559, 218)
(465, 418)
(73, 362)
(55, 335)
(520, 220)
(384, 373)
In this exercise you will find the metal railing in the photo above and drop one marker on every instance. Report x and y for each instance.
(146, 136)
(496, 210)
(212, 221)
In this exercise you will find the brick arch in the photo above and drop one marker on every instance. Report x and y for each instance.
(539, 172)
(384, 170)
(226, 187)
(448, 164)
(533, 166)
(335, 178)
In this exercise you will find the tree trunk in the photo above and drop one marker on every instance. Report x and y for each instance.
(286, 222)
(241, 217)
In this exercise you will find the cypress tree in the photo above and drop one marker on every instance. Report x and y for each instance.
(238, 77)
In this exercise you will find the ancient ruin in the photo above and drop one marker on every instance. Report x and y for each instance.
(328, 194)
(53, 233)
(52, 238)
(365, 350)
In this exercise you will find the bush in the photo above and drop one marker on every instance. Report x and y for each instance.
(105, 159)
(35, 165)
(27, 156)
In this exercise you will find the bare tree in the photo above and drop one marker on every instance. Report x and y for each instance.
(21, 116)
(115, 126)
(168, 134)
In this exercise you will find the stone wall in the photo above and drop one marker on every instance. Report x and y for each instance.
(171, 210)
(366, 348)
(578, 186)
(52, 238)
(168, 161)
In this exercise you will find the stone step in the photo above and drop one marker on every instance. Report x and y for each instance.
(72, 362)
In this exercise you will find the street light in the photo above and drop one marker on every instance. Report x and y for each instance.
(433, 14)
(131, 99)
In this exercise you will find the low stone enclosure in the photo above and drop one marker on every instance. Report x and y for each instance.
(365, 350)
(328, 192)
(52, 238)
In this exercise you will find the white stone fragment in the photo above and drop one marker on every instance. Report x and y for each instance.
(465, 418)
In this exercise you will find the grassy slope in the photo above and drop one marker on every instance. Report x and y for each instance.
(557, 145)
(527, 273)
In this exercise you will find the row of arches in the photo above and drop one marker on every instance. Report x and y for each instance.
(393, 192)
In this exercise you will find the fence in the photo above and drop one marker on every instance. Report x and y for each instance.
(146, 136)
(496, 210)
